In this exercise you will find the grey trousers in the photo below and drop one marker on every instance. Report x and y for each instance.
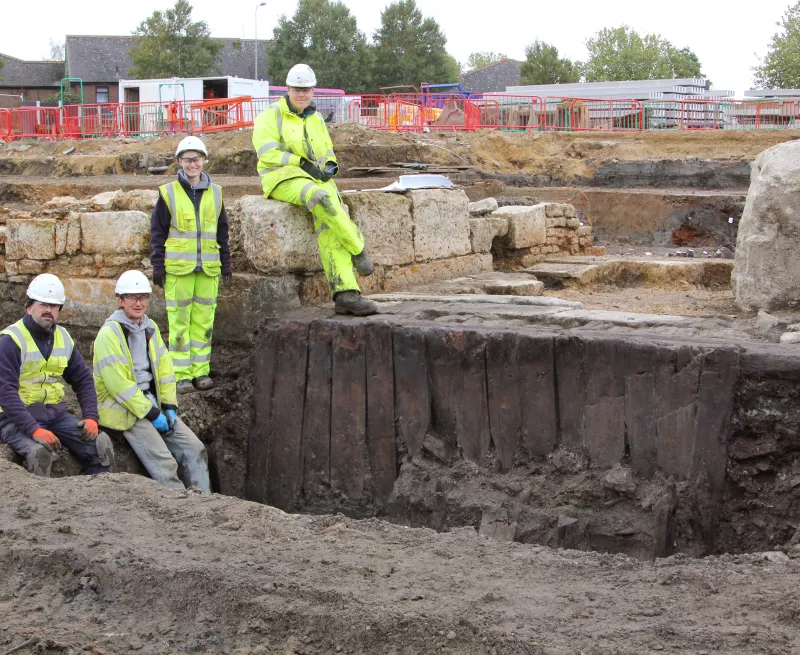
(161, 454)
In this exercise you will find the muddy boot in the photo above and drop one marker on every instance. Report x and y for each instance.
(203, 383)
(39, 460)
(363, 263)
(105, 451)
(351, 302)
(185, 386)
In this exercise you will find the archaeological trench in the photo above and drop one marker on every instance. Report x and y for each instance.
(478, 397)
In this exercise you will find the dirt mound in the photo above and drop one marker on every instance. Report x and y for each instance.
(117, 564)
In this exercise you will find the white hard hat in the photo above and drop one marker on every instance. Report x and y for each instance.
(47, 288)
(301, 76)
(132, 282)
(191, 143)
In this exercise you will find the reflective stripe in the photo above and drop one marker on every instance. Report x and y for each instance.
(69, 344)
(111, 404)
(127, 394)
(38, 378)
(203, 301)
(320, 229)
(177, 234)
(173, 210)
(305, 190)
(60, 352)
(279, 121)
(217, 205)
(107, 361)
(205, 257)
(166, 380)
(330, 154)
(32, 356)
(318, 196)
(267, 147)
(199, 359)
(199, 344)
(183, 302)
(266, 171)
(286, 158)
(174, 348)
(23, 345)
(181, 363)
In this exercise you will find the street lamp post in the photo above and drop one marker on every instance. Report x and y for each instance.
(255, 25)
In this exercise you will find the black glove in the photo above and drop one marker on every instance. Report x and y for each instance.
(331, 169)
(227, 278)
(312, 170)
(158, 279)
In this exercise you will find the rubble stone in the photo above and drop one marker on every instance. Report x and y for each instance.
(482, 207)
(526, 226)
(484, 230)
(766, 271)
(60, 202)
(441, 223)
(385, 220)
(115, 232)
(136, 200)
(33, 238)
(103, 201)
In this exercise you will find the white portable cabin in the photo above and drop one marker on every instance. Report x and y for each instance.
(153, 114)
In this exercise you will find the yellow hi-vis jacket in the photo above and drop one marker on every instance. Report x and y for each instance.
(192, 239)
(282, 139)
(40, 380)
(119, 398)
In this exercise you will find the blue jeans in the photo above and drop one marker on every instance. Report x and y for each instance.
(38, 458)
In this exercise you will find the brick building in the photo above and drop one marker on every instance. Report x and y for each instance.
(33, 80)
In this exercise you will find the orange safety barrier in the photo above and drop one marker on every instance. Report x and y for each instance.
(591, 114)
(35, 122)
(508, 112)
(5, 125)
(219, 115)
(96, 120)
(778, 114)
(150, 119)
(367, 110)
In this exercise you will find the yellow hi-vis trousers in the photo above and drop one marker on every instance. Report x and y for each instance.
(191, 303)
(338, 237)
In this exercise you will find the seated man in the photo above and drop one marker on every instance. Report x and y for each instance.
(296, 163)
(36, 357)
(136, 389)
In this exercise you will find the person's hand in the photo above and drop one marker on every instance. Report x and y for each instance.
(312, 170)
(89, 429)
(46, 438)
(227, 278)
(158, 279)
(161, 424)
(172, 416)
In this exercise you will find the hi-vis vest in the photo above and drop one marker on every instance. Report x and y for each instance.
(282, 139)
(119, 398)
(192, 239)
(40, 380)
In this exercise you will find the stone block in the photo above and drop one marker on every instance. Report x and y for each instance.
(585, 231)
(572, 223)
(526, 226)
(103, 201)
(30, 266)
(553, 209)
(436, 271)
(90, 301)
(441, 223)
(385, 220)
(555, 222)
(142, 200)
(33, 238)
(530, 287)
(482, 207)
(115, 232)
(76, 266)
(278, 237)
(68, 236)
(569, 211)
(484, 230)
(2, 234)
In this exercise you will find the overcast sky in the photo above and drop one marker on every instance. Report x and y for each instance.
(727, 40)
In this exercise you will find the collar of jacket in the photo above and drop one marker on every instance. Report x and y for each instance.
(204, 183)
(305, 113)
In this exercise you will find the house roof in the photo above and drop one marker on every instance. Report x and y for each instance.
(494, 63)
(18, 73)
(105, 58)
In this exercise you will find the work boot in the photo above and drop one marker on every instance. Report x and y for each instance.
(39, 461)
(363, 263)
(185, 386)
(351, 302)
(203, 383)
(105, 450)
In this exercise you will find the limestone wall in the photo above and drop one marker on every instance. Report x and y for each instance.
(416, 238)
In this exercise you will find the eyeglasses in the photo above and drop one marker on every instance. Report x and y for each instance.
(299, 89)
(192, 160)
(135, 299)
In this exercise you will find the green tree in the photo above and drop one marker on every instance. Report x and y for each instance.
(621, 54)
(480, 59)
(324, 35)
(171, 45)
(780, 69)
(542, 65)
(409, 48)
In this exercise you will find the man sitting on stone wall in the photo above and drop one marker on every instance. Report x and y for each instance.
(36, 357)
(135, 385)
(296, 163)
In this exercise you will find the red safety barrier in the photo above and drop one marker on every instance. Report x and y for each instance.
(219, 115)
(97, 120)
(151, 119)
(508, 112)
(367, 110)
(35, 122)
(778, 114)
(5, 125)
(596, 115)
